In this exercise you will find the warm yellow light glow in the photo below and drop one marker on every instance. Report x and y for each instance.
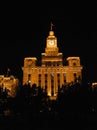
(49, 94)
(70, 58)
(51, 63)
(51, 33)
(10, 83)
(94, 84)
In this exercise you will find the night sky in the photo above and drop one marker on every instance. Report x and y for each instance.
(24, 28)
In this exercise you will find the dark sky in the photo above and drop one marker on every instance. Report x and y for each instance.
(24, 28)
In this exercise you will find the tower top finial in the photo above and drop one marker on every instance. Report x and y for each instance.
(52, 25)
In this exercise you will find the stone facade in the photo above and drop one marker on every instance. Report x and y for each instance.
(10, 83)
(52, 73)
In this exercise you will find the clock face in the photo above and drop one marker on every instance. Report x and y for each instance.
(51, 42)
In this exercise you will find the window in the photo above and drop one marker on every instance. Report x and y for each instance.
(45, 80)
(75, 77)
(45, 76)
(74, 74)
(39, 80)
(74, 63)
(29, 75)
(39, 76)
(58, 75)
(58, 79)
(64, 77)
(29, 78)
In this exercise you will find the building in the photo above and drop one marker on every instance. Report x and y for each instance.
(52, 73)
(94, 85)
(10, 83)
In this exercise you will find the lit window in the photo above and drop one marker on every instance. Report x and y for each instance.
(64, 75)
(29, 81)
(52, 75)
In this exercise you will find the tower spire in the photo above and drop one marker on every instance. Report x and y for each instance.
(52, 25)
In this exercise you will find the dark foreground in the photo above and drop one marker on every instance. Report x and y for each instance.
(48, 121)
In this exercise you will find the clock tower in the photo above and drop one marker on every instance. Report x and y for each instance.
(51, 57)
(51, 43)
(51, 40)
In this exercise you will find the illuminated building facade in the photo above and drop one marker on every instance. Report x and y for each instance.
(94, 84)
(52, 73)
(10, 83)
